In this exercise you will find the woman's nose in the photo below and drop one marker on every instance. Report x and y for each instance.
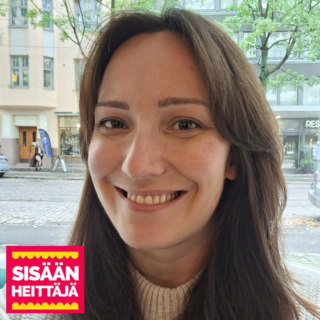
(144, 157)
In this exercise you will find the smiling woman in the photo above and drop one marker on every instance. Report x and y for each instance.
(162, 156)
(180, 214)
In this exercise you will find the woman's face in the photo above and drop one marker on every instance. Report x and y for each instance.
(154, 139)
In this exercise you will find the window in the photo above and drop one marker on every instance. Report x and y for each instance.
(225, 4)
(199, 4)
(48, 73)
(88, 14)
(311, 95)
(278, 51)
(235, 36)
(79, 71)
(18, 12)
(47, 11)
(272, 96)
(69, 136)
(20, 71)
(288, 95)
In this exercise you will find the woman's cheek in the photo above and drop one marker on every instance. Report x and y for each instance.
(104, 157)
(202, 159)
(96, 156)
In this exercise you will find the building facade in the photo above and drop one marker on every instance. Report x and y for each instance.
(39, 82)
(296, 110)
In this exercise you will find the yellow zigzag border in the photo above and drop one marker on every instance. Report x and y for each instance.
(45, 306)
(45, 255)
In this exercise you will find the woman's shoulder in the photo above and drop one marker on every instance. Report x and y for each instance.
(23, 316)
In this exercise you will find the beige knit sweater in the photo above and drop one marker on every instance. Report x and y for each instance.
(158, 303)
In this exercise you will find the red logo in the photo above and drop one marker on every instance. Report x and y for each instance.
(45, 279)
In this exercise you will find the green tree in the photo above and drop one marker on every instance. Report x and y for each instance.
(4, 7)
(301, 21)
(77, 20)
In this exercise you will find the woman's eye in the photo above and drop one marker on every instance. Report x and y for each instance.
(113, 124)
(185, 125)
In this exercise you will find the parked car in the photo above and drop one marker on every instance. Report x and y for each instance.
(314, 192)
(4, 166)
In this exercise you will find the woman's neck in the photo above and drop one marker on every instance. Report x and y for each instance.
(171, 267)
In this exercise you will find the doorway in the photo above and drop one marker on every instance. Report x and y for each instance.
(290, 141)
(27, 135)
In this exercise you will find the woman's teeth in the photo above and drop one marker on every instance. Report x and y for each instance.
(148, 200)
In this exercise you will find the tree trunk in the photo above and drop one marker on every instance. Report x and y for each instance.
(264, 69)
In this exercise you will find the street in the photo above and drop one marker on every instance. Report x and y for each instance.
(41, 212)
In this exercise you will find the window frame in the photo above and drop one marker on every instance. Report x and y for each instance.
(21, 68)
(44, 10)
(65, 127)
(300, 98)
(277, 97)
(50, 70)
(16, 4)
(233, 2)
(184, 4)
(217, 6)
(300, 57)
(237, 36)
(80, 5)
(303, 94)
(284, 105)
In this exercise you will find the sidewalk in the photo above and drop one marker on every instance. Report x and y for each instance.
(78, 172)
(73, 173)
(312, 260)
(298, 178)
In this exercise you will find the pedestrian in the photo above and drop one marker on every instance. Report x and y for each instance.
(181, 210)
(36, 160)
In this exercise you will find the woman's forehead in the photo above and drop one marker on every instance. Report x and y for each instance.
(154, 63)
(146, 45)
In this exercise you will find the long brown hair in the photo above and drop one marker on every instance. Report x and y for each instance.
(245, 276)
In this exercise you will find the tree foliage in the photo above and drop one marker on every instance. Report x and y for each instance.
(79, 25)
(299, 22)
(4, 7)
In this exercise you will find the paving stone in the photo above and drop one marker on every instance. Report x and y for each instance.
(39, 202)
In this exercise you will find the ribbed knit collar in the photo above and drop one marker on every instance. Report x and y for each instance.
(159, 303)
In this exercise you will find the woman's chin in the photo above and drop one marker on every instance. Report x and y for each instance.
(146, 240)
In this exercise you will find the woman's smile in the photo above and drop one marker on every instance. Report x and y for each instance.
(151, 201)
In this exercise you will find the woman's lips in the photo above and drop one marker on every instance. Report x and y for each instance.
(147, 208)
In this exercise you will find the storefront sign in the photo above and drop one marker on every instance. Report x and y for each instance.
(59, 158)
(312, 123)
(45, 142)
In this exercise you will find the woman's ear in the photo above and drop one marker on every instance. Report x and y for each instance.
(231, 170)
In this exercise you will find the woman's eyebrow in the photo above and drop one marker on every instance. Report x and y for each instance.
(113, 104)
(161, 103)
(178, 101)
